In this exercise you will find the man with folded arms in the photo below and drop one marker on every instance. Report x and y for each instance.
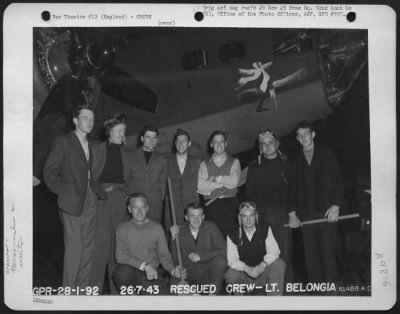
(218, 181)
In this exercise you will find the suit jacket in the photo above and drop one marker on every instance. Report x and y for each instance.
(329, 187)
(99, 159)
(149, 179)
(66, 173)
(184, 186)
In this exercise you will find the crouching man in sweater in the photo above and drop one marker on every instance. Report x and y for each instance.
(253, 257)
(203, 251)
(141, 247)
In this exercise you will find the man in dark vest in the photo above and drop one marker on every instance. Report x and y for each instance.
(147, 172)
(253, 254)
(218, 180)
(316, 191)
(183, 170)
(67, 173)
(267, 186)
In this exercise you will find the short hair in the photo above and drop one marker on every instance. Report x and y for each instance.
(131, 196)
(77, 110)
(180, 132)
(118, 118)
(305, 125)
(193, 206)
(217, 132)
(151, 128)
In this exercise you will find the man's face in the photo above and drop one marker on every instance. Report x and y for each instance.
(306, 138)
(117, 134)
(219, 144)
(85, 121)
(149, 140)
(138, 208)
(182, 144)
(247, 217)
(195, 217)
(269, 147)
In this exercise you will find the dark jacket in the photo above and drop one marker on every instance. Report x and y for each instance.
(99, 159)
(208, 245)
(66, 173)
(329, 189)
(184, 186)
(267, 186)
(149, 179)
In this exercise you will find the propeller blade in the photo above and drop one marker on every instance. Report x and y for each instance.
(123, 87)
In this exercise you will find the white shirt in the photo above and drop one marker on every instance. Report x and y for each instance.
(271, 247)
(181, 160)
(84, 144)
(231, 181)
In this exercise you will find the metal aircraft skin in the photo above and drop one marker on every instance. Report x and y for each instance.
(237, 80)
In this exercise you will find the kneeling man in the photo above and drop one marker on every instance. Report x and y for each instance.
(203, 250)
(141, 247)
(253, 256)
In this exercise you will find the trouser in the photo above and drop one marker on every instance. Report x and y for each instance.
(79, 237)
(110, 213)
(210, 273)
(223, 212)
(273, 274)
(276, 217)
(125, 275)
(320, 242)
(155, 202)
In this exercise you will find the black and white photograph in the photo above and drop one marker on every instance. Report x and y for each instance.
(214, 163)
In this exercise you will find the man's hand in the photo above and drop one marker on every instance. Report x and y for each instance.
(109, 189)
(174, 231)
(194, 257)
(260, 268)
(179, 272)
(251, 271)
(332, 213)
(294, 221)
(151, 273)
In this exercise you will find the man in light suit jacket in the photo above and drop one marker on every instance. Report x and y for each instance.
(183, 171)
(67, 173)
(147, 173)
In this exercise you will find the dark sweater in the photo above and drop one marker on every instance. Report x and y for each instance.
(314, 188)
(113, 168)
(267, 186)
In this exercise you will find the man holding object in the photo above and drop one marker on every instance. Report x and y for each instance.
(315, 191)
(203, 248)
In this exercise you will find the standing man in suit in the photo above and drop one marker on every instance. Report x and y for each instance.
(148, 173)
(110, 170)
(316, 190)
(67, 173)
(183, 171)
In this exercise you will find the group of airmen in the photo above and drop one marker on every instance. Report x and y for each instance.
(124, 225)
